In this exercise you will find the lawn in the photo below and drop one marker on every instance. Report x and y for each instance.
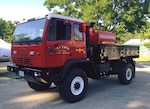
(5, 73)
(143, 59)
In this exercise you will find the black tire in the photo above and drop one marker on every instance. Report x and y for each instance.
(56, 84)
(38, 87)
(74, 87)
(125, 74)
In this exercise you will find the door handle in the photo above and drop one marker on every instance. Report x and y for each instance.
(51, 49)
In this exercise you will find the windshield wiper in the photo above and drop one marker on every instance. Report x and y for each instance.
(28, 43)
(20, 43)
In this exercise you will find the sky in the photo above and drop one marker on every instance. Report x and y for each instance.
(17, 10)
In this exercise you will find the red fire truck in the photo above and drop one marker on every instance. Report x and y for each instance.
(67, 51)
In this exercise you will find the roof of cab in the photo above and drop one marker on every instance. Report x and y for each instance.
(63, 17)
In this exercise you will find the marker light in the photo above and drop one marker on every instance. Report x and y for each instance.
(32, 53)
(14, 52)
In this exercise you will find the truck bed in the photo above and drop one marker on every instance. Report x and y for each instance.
(114, 52)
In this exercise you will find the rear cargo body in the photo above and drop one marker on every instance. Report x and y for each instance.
(114, 52)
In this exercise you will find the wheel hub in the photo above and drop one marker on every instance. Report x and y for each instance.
(77, 85)
(128, 74)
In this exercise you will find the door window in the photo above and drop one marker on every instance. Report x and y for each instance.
(51, 30)
(77, 33)
(59, 30)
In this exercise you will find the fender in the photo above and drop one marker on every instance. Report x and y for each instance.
(69, 63)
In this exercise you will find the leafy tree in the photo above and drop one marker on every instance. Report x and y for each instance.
(6, 30)
(119, 16)
(2, 26)
(87, 10)
(145, 34)
(111, 12)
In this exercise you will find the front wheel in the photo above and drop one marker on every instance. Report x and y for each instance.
(126, 73)
(74, 87)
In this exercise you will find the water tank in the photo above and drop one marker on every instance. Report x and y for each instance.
(101, 37)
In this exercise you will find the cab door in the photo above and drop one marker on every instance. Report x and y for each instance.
(58, 41)
(79, 42)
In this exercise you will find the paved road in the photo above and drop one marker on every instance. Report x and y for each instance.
(102, 94)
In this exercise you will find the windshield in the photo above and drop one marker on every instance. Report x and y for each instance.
(29, 32)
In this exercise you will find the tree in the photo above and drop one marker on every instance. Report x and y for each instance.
(110, 13)
(6, 30)
(87, 10)
(145, 34)
(2, 26)
(119, 16)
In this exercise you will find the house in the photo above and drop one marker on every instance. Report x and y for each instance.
(144, 51)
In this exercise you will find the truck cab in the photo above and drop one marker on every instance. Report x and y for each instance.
(48, 42)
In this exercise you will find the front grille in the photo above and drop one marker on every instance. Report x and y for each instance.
(22, 61)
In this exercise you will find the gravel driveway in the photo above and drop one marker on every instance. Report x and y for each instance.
(102, 94)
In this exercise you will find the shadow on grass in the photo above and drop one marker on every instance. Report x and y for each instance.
(5, 73)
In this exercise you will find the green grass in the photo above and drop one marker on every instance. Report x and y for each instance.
(143, 59)
(5, 73)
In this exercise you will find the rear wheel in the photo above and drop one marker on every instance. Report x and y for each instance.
(125, 74)
(74, 87)
(38, 87)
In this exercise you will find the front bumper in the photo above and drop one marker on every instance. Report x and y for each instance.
(30, 74)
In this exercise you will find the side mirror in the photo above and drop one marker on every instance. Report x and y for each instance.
(82, 27)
